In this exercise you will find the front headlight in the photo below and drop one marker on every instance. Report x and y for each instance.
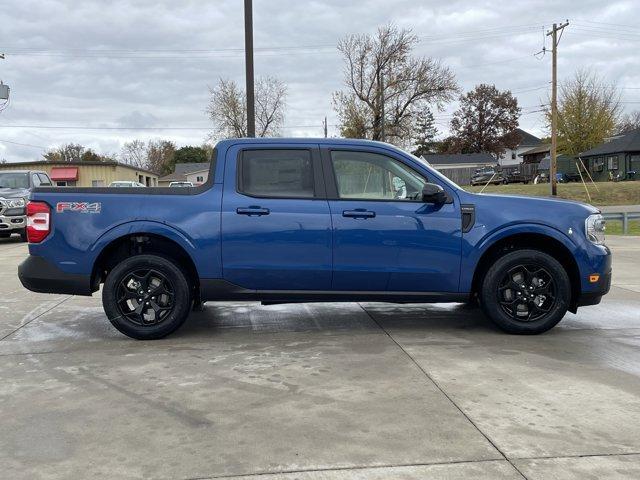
(594, 227)
(16, 203)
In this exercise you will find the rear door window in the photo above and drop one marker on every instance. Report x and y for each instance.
(276, 173)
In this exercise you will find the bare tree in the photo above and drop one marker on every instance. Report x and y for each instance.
(588, 112)
(160, 155)
(155, 155)
(134, 153)
(379, 68)
(631, 121)
(227, 108)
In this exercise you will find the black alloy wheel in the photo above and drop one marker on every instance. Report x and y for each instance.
(527, 293)
(147, 296)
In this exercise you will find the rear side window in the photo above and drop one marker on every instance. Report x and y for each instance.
(276, 173)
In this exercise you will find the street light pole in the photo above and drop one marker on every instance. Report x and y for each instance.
(248, 55)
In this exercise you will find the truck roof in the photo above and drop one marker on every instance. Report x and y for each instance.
(294, 140)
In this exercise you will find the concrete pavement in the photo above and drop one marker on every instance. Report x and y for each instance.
(326, 391)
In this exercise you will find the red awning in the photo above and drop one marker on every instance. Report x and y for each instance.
(64, 174)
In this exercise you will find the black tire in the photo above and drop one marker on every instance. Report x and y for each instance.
(23, 235)
(160, 284)
(531, 275)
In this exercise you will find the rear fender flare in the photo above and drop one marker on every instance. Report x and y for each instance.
(142, 228)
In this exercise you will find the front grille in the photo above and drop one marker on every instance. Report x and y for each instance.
(3, 207)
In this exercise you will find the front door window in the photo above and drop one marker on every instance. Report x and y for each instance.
(371, 176)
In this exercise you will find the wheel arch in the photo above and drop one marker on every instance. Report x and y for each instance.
(124, 242)
(537, 240)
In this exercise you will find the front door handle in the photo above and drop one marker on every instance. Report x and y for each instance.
(252, 211)
(359, 213)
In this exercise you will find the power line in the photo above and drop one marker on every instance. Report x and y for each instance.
(239, 51)
(22, 144)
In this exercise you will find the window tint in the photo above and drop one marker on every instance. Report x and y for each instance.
(276, 173)
(44, 180)
(372, 176)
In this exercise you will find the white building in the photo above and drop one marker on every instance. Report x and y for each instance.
(513, 156)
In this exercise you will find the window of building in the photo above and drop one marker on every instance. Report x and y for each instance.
(200, 178)
(276, 173)
(634, 164)
(612, 162)
(371, 176)
(598, 164)
(65, 183)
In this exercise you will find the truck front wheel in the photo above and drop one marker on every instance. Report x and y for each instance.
(146, 297)
(526, 292)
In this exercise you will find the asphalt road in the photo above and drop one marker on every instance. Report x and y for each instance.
(319, 392)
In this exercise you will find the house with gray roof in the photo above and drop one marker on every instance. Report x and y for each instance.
(195, 173)
(619, 157)
(513, 156)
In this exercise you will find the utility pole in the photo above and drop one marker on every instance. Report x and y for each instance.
(324, 127)
(248, 58)
(554, 105)
(381, 83)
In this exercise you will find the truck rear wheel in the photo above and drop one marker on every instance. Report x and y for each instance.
(526, 292)
(146, 297)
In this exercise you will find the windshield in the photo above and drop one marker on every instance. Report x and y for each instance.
(435, 172)
(14, 180)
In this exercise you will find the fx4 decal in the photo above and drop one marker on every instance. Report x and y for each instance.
(80, 207)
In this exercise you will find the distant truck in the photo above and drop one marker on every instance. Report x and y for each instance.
(327, 220)
(15, 188)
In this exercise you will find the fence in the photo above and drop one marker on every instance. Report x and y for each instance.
(622, 216)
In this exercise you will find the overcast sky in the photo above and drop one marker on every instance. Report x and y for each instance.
(148, 64)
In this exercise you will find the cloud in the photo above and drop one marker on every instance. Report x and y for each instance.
(149, 63)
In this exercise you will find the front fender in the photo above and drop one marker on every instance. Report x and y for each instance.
(476, 244)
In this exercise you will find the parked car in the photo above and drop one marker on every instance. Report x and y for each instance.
(15, 188)
(482, 176)
(181, 184)
(126, 184)
(517, 177)
(295, 220)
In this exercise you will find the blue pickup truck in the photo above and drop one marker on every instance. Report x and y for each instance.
(302, 220)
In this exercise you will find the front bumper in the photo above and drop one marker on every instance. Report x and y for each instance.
(594, 297)
(599, 263)
(12, 223)
(39, 275)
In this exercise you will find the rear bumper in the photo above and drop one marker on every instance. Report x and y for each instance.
(39, 275)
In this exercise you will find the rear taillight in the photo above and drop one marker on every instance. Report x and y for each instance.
(38, 221)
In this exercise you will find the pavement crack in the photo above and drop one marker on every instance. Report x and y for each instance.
(349, 468)
(447, 396)
(36, 317)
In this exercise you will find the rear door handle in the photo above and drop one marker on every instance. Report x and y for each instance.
(252, 211)
(359, 213)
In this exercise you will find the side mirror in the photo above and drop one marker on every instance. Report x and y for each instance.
(432, 193)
